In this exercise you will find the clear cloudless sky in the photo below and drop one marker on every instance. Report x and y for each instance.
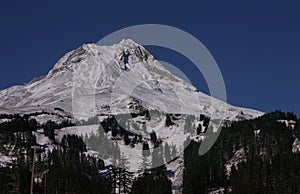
(255, 43)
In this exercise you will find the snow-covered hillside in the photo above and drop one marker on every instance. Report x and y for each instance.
(106, 79)
(112, 80)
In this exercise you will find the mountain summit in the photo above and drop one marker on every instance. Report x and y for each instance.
(95, 79)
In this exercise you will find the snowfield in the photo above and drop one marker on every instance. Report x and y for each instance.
(96, 79)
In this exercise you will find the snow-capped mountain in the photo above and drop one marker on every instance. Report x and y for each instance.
(97, 79)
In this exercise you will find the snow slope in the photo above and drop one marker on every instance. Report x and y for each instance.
(105, 79)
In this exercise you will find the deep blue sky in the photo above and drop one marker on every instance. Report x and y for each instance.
(256, 43)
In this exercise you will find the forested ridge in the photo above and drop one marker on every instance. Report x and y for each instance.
(251, 156)
(265, 162)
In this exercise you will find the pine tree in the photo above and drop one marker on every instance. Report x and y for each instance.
(199, 129)
(153, 137)
(152, 181)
